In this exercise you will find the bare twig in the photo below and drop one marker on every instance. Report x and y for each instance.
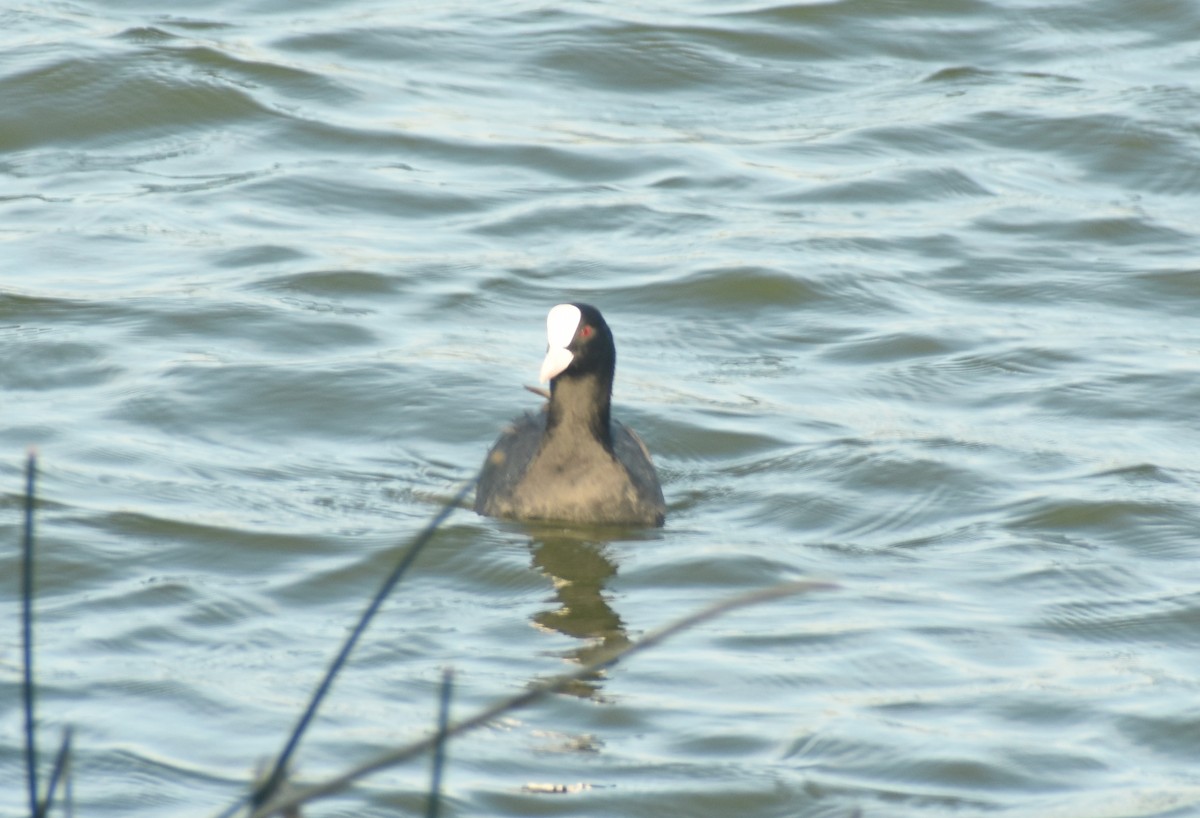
(27, 632)
(270, 785)
(60, 772)
(302, 795)
(439, 747)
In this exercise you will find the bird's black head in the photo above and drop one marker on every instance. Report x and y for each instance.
(579, 344)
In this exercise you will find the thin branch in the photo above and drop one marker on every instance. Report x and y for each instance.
(533, 694)
(439, 747)
(62, 766)
(271, 784)
(27, 631)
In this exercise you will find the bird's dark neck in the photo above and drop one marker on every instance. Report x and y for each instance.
(580, 405)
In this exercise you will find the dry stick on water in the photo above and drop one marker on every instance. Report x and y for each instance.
(27, 632)
(60, 772)
(293, 800)
(439, 747)
(62, 761)
(265, 791)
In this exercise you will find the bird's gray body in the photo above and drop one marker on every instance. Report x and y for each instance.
(574, 479)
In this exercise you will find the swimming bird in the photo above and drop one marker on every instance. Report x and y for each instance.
(571, 462)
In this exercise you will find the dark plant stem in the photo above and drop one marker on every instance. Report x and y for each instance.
(534, 693)
(27, 631)
(439, 747)
(271, 784)
(61, 771)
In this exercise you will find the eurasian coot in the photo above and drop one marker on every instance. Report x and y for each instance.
(571, 462)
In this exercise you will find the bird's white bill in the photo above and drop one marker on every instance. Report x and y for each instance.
(561, 324)
(557, 359)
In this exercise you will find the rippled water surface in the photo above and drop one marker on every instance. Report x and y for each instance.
(905, 296)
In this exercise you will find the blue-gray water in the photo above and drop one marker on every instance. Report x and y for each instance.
(905, 297)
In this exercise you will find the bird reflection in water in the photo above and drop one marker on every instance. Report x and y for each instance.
(579, 569)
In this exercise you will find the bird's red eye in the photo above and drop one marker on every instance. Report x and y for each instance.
(586, 332)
